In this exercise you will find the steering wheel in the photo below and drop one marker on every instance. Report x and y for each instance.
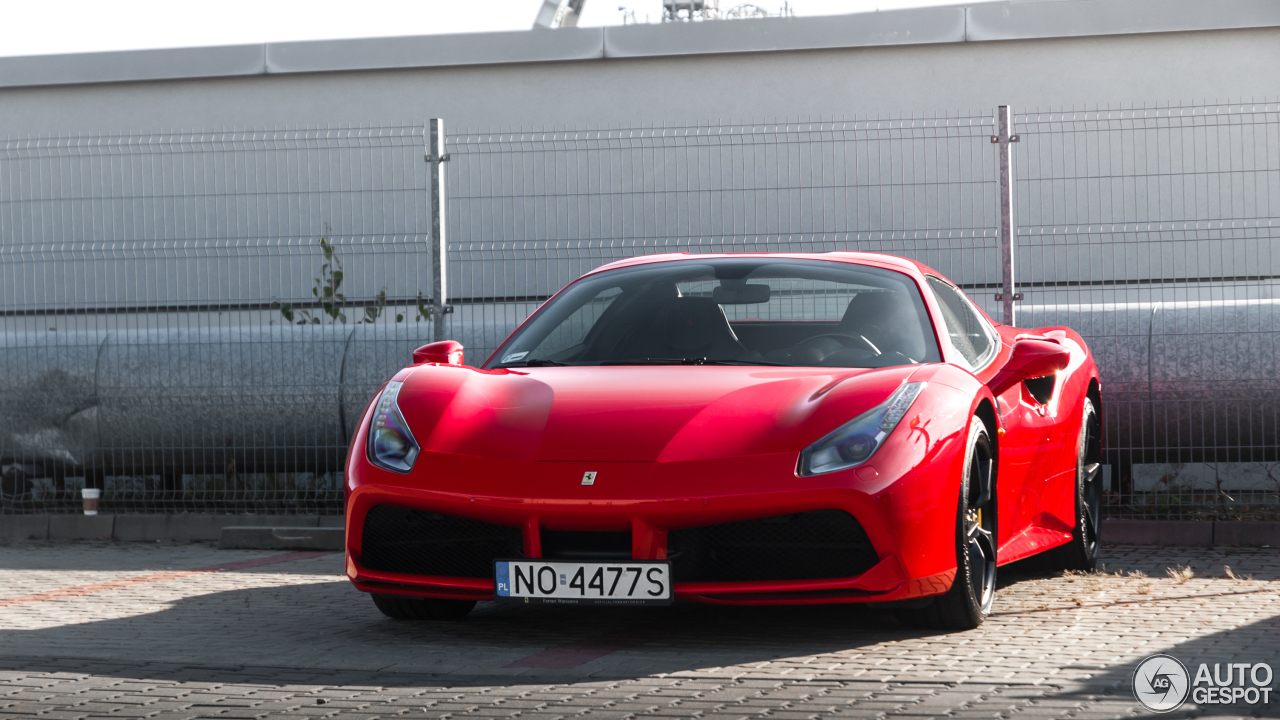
(852, 340)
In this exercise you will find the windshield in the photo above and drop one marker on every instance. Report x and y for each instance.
(732, 311)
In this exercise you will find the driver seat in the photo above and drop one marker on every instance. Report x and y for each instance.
(697, 327)
(888, 320)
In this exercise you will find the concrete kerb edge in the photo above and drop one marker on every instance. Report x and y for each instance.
(1190, 533)
(1251, 533)
(17, 528)
(81, 527)
(186, 527)
(282, 538)
(175, 527)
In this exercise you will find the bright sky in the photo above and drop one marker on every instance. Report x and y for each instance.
(38, 27)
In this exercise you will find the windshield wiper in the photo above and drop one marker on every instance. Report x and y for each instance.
(744, 362)
(536, 363)
(690, 361)
(656, 361)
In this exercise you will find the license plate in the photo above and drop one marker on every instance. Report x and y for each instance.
(583, 583)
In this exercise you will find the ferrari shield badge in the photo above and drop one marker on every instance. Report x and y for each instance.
(588, 478)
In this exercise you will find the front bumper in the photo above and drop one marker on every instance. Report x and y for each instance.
(906, 521)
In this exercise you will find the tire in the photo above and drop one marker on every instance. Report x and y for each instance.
(1081, 553)
(398, 607)
(972, 593)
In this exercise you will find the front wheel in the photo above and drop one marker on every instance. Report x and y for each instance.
(398, 607)
(972, 594)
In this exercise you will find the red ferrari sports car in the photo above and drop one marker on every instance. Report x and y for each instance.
(740, 428)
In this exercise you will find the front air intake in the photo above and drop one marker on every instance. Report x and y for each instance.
(415, 542)
(816, 545)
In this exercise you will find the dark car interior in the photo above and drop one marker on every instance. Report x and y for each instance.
(683, 315)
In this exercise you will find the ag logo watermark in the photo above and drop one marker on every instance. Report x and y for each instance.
(1162, 684)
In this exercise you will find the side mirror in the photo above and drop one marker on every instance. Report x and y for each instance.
(1030, 359)
(445, 352)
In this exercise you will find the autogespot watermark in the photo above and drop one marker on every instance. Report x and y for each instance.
(1162, 684)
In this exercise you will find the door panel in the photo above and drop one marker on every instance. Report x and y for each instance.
(1031, 459)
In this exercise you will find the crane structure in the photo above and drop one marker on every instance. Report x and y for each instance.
(566, 13)
(558, 14)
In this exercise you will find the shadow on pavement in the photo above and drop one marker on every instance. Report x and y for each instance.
(330, 627)
(1257, 642)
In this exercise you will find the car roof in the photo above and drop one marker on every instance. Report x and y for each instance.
(889, 262)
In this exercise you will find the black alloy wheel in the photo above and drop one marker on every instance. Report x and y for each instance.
(399, 607)
(972, 594)
(1081, 552)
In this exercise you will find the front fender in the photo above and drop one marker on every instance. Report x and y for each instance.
(915, 478)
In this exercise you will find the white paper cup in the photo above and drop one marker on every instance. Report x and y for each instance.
(91, 496)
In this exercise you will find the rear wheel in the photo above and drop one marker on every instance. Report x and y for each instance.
(398, 607)
(1081, 553)
(972, 594)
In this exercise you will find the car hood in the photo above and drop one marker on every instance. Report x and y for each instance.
(635, 413)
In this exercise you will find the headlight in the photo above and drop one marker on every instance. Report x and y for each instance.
(857, 440)
(391, 444)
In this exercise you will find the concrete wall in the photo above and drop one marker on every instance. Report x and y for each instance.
(939, 59)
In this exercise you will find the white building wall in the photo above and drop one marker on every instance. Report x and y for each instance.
(896, 62)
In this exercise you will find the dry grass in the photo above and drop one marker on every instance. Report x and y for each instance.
(1226, 570)
(1095, 581)
(1180, 574)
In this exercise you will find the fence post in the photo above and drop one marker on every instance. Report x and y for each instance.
(1006, 296)
(436, 157)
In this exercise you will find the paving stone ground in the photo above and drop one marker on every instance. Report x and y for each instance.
(129, 630)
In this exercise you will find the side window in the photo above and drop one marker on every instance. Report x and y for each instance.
(969, 334)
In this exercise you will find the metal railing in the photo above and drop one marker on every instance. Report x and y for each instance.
(532, 210)
(193, 321)
(174, 271)
(1155, 232)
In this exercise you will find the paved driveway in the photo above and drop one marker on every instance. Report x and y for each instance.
(185, 631)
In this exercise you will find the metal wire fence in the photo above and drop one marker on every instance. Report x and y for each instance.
(532, 210)
(192, 321)
(1154, 232)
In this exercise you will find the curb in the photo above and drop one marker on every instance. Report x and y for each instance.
(1191, 533)
(175, 527)
(282, 538)
(189, 527)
